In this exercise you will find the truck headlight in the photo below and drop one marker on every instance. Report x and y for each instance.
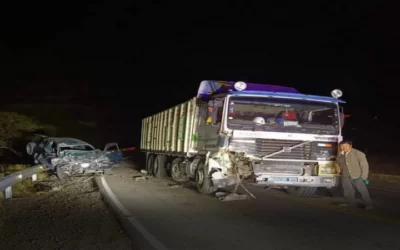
(327, 169)
(85, 165)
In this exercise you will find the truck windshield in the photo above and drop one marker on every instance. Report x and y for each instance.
(283, 115)
(78, 147)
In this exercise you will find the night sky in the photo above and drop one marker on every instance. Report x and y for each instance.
(124, 60)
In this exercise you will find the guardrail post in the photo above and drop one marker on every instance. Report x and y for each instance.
(34, 177)
(8, 193)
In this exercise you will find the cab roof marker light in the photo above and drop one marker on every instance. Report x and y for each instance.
(336, 93)
(240, 86)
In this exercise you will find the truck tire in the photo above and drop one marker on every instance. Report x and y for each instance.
(338, 190)
(30, 147)
(204, 183)
(301, 191)
(150, 163)
(176, 171)
(159, 168)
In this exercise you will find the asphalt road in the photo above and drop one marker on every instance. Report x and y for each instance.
(176, 217)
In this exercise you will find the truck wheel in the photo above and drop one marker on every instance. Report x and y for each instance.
(302, 191)
(30, 147)
(149, 164)
(204, 183)
(337, 191)
(159, 169)
(176, 171)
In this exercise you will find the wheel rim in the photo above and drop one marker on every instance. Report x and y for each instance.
(175, 171)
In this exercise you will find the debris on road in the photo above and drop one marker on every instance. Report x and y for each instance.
(57, 188)
(221, 194)
(234, 197)
(140, 178)
(240, 184)
(174, 185)
(144, 172)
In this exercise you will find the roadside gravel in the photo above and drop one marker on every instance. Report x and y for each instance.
(68, 214)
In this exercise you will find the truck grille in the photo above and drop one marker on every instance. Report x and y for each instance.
(262, 147)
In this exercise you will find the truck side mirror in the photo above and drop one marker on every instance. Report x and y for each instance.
(341, 117)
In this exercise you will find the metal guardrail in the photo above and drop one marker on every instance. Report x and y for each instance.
(8, 181)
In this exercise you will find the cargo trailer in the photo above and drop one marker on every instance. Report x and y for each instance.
(267, 134)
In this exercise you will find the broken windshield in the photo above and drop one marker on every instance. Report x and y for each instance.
(283, 115)
(77, 147)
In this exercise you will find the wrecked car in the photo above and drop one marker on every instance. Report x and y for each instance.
(70, 156)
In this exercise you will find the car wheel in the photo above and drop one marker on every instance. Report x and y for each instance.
(30, 147)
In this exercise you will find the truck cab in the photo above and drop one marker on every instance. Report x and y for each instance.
(272, 135)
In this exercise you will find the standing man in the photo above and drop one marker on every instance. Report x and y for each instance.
(354, 169)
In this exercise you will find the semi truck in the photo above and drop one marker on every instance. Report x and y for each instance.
(235, 131)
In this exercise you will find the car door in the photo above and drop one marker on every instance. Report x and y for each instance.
(113, 152)
(47, 154)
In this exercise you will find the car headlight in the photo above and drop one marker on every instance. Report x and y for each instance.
(327, 168)
(85, 165)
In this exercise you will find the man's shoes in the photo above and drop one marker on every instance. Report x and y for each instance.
(347, 205)
(368, 207)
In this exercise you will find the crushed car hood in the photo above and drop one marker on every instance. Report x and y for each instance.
(84, 156)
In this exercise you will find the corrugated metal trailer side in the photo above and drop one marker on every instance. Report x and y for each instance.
(171, 131)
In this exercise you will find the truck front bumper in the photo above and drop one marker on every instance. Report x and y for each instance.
(299, 181)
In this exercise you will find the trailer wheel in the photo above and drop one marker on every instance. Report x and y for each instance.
(159, 169)
(149, 164)
(176, 171)
(301, 191)
(204, 183)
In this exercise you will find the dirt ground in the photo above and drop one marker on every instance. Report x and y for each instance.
(68, 214)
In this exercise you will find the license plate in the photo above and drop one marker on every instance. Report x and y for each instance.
(290, 123)
(285, 179)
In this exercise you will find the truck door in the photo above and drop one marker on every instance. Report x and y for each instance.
(210, 127)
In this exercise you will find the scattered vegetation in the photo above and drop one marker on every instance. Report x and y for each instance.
(14, 126)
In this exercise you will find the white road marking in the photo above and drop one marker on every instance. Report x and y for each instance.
(114, 198)
(153, 241)
(146, 234)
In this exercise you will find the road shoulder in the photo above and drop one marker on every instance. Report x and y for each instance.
(141, 238)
